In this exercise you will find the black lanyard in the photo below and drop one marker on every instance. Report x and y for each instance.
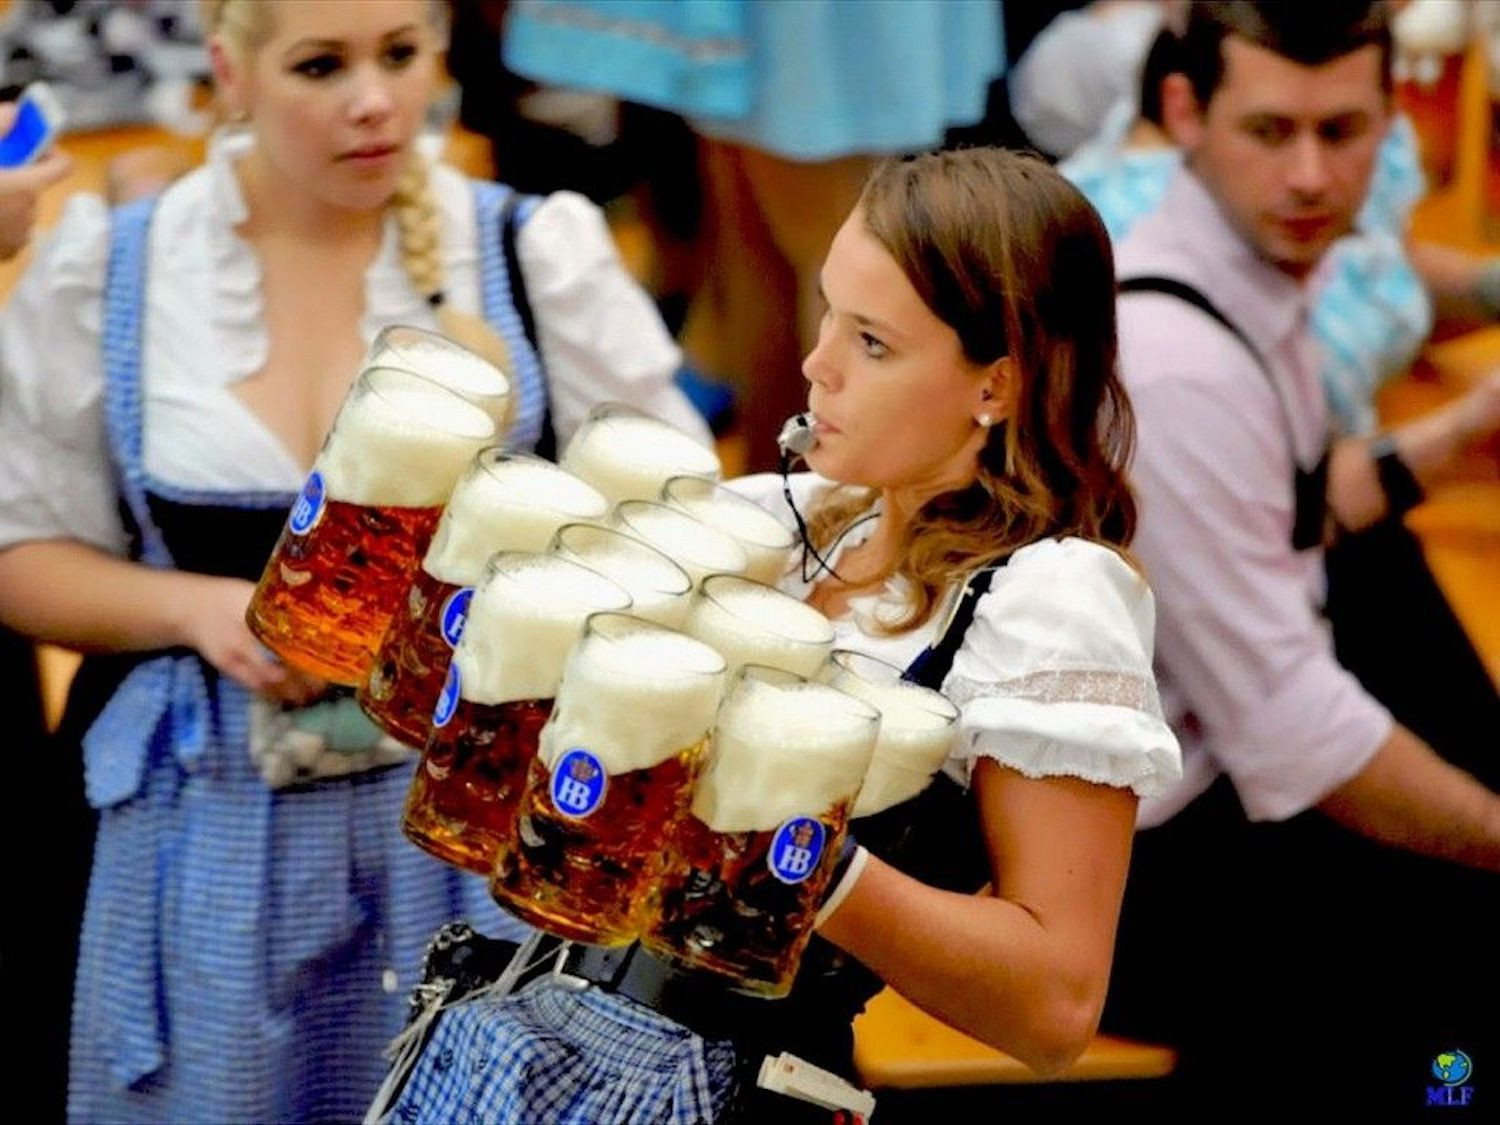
(1309, 486)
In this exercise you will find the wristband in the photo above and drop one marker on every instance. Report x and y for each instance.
(846, 872)
(1403, 491)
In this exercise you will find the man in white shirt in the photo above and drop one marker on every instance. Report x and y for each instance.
(1267, 931)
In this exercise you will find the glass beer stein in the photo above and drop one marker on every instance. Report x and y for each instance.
(364, 517)
(628, 455)
(505, 502)
(615, 766)
(699, 549)
(768, 544)
(438, 358)
(746, 868)
(751, 623)
(523, 621)
(659, 589)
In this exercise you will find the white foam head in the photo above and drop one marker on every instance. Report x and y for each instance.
(523, 621)
(767, 543)
(443, 361)
(401, 441)
(629, 456)
(690, 543)
(917, 730)
(634, 694)
(751, 623)
(505, 502)
(783, 747)
(660, 590)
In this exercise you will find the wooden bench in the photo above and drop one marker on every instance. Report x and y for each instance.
(897, 1046)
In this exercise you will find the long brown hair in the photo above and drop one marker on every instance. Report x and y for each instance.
(1009, 255)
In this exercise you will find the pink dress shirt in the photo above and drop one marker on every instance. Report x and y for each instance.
(1244, 660)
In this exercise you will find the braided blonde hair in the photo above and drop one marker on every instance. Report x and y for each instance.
(245, 26)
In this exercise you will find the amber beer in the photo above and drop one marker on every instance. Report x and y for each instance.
(766, 542)
(440, 359)
(746, 869)
(628, 455)
(505, 502)
(523, 621)
(616, 765)
(699, 549)
(751, 623)
(659, 589)
(365, 516)
(917, 729)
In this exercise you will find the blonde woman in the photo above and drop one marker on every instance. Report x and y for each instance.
(169, 370)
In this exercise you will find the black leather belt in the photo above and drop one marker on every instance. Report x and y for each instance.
(697, 1000)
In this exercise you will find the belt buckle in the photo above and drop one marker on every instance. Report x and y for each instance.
(562, 976)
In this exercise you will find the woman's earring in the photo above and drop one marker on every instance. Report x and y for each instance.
(985, 420)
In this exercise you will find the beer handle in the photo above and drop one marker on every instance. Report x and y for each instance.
(797, 1078)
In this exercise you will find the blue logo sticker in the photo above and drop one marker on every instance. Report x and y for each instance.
(455, 614)
(578, 784)
(309, 506)
(796, 849)
(1452, 1068)
(447, 700)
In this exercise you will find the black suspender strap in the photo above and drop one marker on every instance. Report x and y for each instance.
(932, 665)
(546, 445)
(1310, 486)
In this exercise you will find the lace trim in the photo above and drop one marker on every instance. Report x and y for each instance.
(1064, 685)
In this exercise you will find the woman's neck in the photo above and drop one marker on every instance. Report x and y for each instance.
(276, 207)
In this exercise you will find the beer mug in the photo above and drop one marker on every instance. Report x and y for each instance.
(524, 619)
(440, 359)
(659, 589)
(505, 502)
(365, 516)
(752, 623)
(690, 543)
(768, 545)
(615, 766)
(628, 455)
(917, 729)
(746, 869)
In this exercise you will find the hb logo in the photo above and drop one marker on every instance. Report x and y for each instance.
(578, 783)
(447, 700)
(455, 614)
(796, 848)
(309, 506)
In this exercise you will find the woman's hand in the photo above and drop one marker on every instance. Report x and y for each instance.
(213, 623)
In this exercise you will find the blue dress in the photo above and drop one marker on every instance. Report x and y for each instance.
(1372, 313)
(807, 80)
(246, 953)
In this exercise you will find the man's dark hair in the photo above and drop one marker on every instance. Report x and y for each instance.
(1161, 60)
(1310, 33)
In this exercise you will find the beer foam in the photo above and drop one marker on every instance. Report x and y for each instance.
(783, 750)
(916, 735)
(507, 505)
(659, 589)
(690, 543)
(402, 447)
(754, 624)
(443, 361)
(766, 542)
(522, 624)
(636, 700)
(630, 456)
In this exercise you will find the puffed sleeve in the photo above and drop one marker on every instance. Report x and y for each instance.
(56, 480)
(601, 337)
(1054, 675)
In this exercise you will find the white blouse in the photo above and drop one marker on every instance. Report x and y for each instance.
(600, 336)
(1054, 675)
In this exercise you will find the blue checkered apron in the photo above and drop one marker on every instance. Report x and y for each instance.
(245, 953)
